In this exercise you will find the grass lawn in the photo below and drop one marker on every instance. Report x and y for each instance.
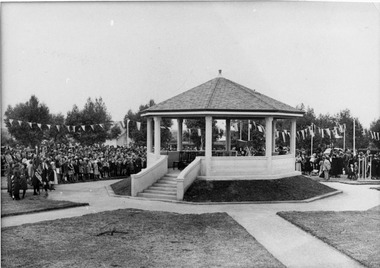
(122, 187)
(134, 238)
(355, 233)
(31, 204)
(292, 188)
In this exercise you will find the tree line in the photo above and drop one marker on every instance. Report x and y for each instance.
(94, 112)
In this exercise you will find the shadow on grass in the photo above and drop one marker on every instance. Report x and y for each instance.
(32, 204)
(285, 189)
(355, 233)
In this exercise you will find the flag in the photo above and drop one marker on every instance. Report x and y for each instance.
(68, 128)
(58, 127)
(363, 132)
(199, 132)
(101, 125)
(83, 127)
(378, 136)
(277, 134)
(283, 136)
(138, 124)
(10, 121)
(303, 133)
(328, 132)
(260, 128)
(39, 125)
(19, 122)
(92, 126)
(235, 126)
(30, 124)
(122, 124)
(48, 126)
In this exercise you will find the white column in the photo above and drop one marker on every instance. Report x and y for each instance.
(268, 136)
(149, 133)
(228, 135)
(179, 134)
(273, 135)
(293, 137)
(268, 143)
(157, 136)
(208, 144)
(249, 130)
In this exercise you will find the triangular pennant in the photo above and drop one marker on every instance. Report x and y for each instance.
(277, 134)
(83, 127)
(48, 126)
(199, 132)
(122, 124)
(92, 126)
(11, 121)
(68, 128)
(378, 136)
(19, 122)
(322, 133)
(303, 133)
(283, 136)
(138, 124)
(328, 132)
(260, 128)
(39, 125)
(30, 124)
(101, 125)
(58, 127)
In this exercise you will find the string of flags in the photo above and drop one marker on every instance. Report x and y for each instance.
(69, 128)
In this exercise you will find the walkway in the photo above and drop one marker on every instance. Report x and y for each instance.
(289, 244)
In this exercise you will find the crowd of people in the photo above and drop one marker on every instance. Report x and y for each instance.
(336, 162)
(53, 164)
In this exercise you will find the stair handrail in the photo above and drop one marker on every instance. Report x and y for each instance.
(188, 176)
(148, 176)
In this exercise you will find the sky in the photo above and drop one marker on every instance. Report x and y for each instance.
(322, 54)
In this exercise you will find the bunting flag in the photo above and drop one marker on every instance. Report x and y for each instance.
(138, 125)
(378, 136)
(370, 132)
(19, 122)
(58, 127)
(199, 132)
(328, 132)
(39, 125)
(260, 128)
(101, 125)
(83, 127)
(121, 123)
(277, 134)
(30, 124)
(92, 126)
(322, 133)
(235, 126)
(48, 126)
(10, 121)
(68, 128)
(288, 134)
(283, 136)
(303, 133)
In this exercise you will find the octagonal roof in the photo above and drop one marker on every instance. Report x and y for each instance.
(221, 97)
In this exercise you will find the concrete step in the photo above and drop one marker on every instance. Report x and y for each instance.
(164, 184)
(153, 191)
(158, 188)
(167, 181)
(174, 180)
(158, 196)
(171, 175)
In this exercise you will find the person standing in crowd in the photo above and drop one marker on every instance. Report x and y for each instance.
(326, 167)
(24, 178)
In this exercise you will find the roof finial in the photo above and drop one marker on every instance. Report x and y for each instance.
(220, 72)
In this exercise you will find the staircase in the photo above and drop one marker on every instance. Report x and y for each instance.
(164, 189)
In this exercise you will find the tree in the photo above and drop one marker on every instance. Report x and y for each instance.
(34, 112)
(115, 132)
(193, 125)
(94, 113)
(139, 135)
